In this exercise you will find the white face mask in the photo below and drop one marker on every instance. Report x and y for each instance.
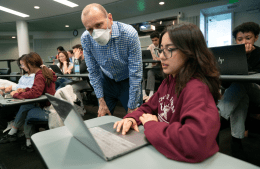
(101, 36)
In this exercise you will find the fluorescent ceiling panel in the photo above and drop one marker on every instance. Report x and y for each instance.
(13, 12)
(67, 3)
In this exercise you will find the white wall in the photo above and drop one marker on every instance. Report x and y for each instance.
(10, 51)
(242, 17)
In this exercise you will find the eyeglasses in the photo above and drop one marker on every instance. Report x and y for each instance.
(22, 65)
(166, 52)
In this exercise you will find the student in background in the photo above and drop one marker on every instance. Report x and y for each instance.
(113, 56)
(44, 82)
(78, 54)
(71, 55)
(59, 49)
(235, 101)
(153, 73)
(8, 113)
(181, 119)
(66, 67)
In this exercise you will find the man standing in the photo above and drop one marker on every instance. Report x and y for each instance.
(113, 56)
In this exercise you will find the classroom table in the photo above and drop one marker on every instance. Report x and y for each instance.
(59, 149)
(254, 78)
(8, 62)
(10, 76)
(73, 75)
(6, 102)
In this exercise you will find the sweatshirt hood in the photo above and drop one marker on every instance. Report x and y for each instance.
(53, 73)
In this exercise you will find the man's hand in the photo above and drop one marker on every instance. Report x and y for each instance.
(77, 54)
(8, 89)
(1, 92)
(2, 88)
(126, 123)
(147, 117)
(103, 109)
(131, 110)
(249, 48)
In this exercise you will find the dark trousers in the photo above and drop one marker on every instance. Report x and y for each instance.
(7, 114)
(114, 91)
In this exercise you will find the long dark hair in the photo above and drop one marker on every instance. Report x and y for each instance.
(200, 62)
(35, 60)
(19, 65)
(67, 59)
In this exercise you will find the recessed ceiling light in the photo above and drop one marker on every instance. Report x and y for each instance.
(13, 37)
(66, 2)
(161, 3)
(36, 7)
(67, 26)
(13, 12)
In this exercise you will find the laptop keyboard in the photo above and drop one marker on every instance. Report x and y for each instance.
(110, 143)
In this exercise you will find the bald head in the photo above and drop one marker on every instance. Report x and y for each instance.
(95, 16)
(93, 8)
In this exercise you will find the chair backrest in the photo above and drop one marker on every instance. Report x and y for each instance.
(14, 79)
(5, 71)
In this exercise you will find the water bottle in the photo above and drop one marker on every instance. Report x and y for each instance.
(76, 66)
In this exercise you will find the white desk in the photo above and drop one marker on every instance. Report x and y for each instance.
(5, 102)
(59, 149)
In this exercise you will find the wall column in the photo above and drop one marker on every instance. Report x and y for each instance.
(22, 37)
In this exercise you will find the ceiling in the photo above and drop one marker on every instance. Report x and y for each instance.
(53, 16)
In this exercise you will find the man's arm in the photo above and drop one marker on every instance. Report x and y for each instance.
(93, 68)
(135, 72)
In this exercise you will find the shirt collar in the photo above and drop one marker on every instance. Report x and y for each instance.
(115, 30)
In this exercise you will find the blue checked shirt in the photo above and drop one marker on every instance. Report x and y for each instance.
(120, 59)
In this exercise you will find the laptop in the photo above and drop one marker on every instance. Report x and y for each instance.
(102, 140)
(232, 60)
(56, 69)
(147, 56)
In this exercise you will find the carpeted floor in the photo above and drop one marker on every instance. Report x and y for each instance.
(12, 157)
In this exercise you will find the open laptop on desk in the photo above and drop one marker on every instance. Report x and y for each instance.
(103, 139)
(147, 56)
(232, 60)
(56, 69)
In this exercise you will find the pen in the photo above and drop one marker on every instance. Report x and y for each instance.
(16, 100)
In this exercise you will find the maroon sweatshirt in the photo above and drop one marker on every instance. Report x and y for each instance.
(187, 126)
(39, 88)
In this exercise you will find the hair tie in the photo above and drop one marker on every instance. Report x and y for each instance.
(42, 66)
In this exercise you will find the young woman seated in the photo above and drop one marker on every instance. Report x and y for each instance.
(65, 66)
(181, 119)
(8, 113)
(44, 82)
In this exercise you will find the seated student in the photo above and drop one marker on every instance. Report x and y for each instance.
(65, 66)
(8, 113)
(71, 55)
(155, 72)
(181, 119)
(235, 101)
(78, 54)
(43, 83)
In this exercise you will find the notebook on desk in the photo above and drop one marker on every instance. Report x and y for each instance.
(232, 60)
(56, 69)
(102, 140)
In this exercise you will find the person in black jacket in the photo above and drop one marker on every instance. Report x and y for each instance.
(78, 54)
(235, 101)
